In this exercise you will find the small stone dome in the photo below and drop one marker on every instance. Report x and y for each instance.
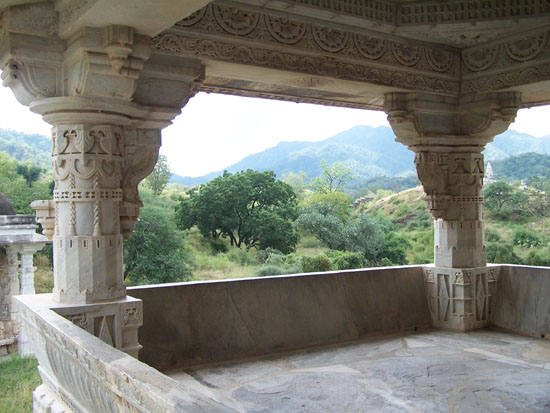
(6, 208)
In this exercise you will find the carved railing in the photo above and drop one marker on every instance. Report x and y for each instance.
(80, 373)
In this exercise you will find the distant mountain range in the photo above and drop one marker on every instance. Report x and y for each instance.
(368, 151)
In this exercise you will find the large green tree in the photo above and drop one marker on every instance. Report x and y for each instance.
(159, 178)
(505, 202)
(252, 209)
(155, 253)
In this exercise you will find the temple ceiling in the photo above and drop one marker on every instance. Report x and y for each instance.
(347, 53)
(350, 53)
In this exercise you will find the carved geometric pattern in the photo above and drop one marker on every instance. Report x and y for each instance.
(81, 320)
(87, 194)
(431, 12)
(184, 39)
(131, 315)
(481, 298)
(103, 327)
(320, 65)
(443, 296)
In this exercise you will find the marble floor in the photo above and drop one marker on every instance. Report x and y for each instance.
(436, 371)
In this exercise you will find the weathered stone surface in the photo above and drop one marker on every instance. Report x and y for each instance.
(430, 372)
(276, 313)
(522, 301)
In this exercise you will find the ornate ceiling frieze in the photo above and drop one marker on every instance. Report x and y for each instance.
(434, 12)
(399, 14)
(513, 61)
(253, 38)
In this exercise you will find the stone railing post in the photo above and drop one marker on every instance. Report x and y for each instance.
(448, 137)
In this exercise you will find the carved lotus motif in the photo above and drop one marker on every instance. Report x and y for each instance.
(439, 60)
(405, 54)
(235, 21)
(480, 58)
(330, 39)
(526, 48)
(285, 30)
(370, 47)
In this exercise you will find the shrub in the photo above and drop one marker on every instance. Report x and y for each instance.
(268, 270)
(492, 236)
(499, 253)
(217, 246)
(242, 257)
(317, 263)
(264, 255)
(345, 260)
(535, 259)
(526, 238)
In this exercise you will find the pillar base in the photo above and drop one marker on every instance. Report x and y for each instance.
(460, 299)
(114, 322)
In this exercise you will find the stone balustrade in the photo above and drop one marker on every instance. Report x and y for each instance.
(188, 324)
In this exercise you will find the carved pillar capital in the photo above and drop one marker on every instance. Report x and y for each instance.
(448, 136)
(431, 122)
(107, 105)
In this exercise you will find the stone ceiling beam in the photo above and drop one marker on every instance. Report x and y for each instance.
(146, 17)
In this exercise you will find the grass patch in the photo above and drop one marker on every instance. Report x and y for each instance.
(18, 379)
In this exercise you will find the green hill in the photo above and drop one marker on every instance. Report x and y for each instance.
(24, 147)
(526, 165)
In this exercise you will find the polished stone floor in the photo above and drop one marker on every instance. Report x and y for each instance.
(436, 371)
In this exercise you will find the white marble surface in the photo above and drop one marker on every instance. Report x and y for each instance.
(483, 371)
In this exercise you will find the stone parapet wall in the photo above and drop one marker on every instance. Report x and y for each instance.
(193, 323)
(81, 373)
(522, 300)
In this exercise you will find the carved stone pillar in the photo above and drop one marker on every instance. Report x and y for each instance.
(107, 101)
(447, 136)
(9, 286)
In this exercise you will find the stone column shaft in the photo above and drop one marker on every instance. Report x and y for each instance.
(87, 161)
(448, 137)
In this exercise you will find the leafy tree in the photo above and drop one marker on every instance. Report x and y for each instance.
(332, 178)
(335, 203)
(251, 208)
(298, 183)
(159, 178)
(371, 236)
(326, 227)
(155, 253)
(30, 172)
(503, 201)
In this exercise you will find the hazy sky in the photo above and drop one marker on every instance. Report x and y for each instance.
(215, 131)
